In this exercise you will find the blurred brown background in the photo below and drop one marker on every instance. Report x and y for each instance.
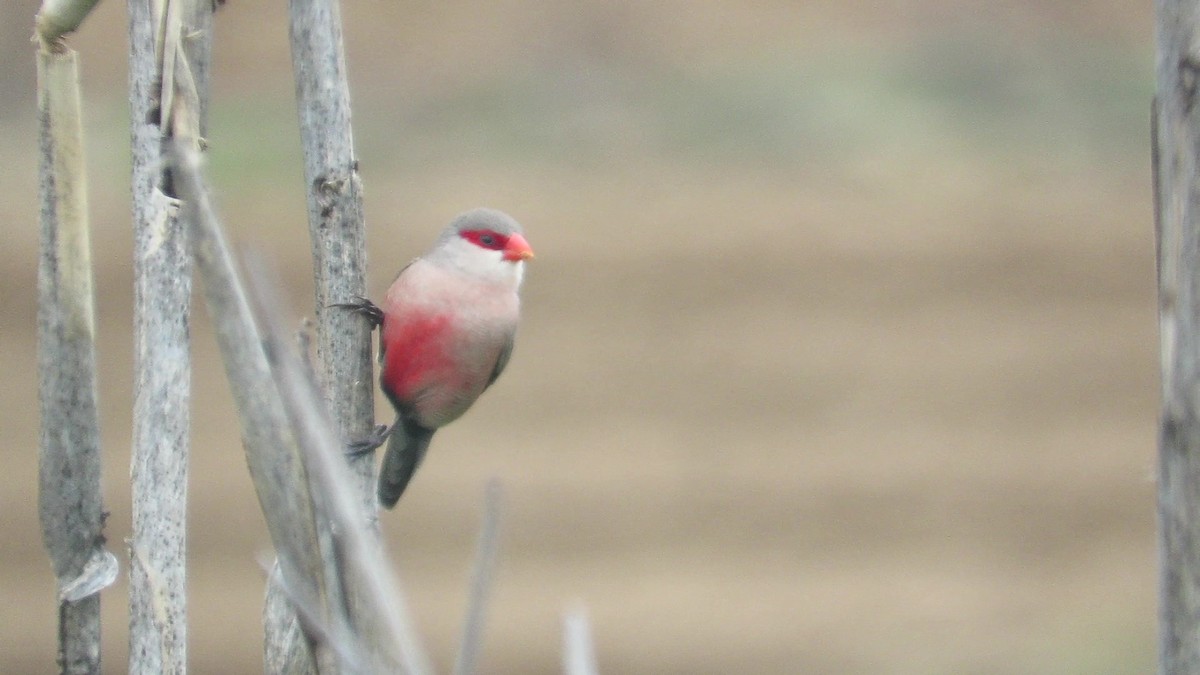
(839, 353)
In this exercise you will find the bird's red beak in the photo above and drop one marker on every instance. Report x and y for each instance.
(517, 249)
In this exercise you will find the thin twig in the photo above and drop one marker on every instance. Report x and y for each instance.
(579, 653)
(482, 576)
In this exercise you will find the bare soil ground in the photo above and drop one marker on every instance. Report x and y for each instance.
(817, 374)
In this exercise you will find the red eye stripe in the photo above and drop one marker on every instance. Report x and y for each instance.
(489, 239)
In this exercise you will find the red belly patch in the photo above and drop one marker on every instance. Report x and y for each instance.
(418, 349)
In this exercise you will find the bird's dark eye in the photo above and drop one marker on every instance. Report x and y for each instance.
(486, 239)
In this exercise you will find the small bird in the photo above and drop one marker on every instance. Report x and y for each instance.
(448, 322)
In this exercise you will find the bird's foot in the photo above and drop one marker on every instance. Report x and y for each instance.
(374, 439)
(364, 307)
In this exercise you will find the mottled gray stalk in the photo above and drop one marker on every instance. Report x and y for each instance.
(336, 226)
(1176, 162)
(69, 500)
(335, 217)
(168, 81)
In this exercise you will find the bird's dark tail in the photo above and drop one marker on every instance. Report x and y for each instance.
(405, 450)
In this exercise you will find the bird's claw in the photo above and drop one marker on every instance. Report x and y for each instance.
(374, 439)
(364, 307)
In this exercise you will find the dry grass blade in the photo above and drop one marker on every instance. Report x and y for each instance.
(482, 575)
(361, 554)
(579, 654)
(334, 639)
(275, 464)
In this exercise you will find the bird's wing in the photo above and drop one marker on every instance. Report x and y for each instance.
(501, 359)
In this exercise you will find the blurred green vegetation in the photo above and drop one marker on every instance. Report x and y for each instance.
(1050, 104)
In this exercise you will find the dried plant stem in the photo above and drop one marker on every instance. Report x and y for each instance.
(69, 499)
(335, 215)
(1176, 160)
(343, 340)
(164, 99)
